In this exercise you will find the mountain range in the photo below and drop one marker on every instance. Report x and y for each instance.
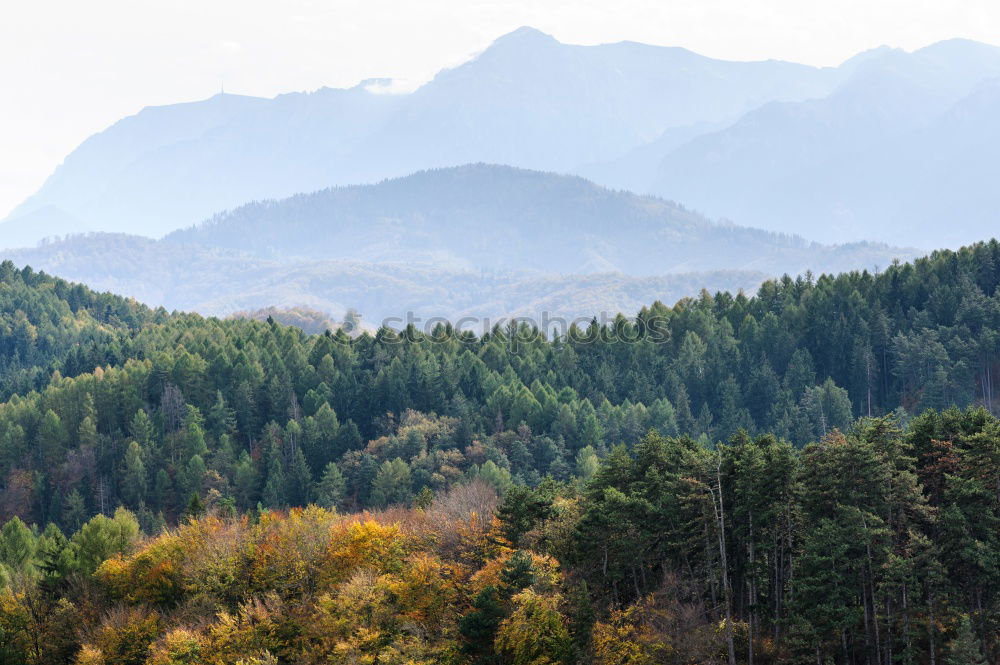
(903, 151)
(499, 218)
(478, 240)
(884, 147)
(527, 101)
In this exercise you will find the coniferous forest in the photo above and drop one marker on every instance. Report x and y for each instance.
(808, 475)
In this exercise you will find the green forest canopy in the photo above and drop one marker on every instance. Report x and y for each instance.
(111, 406)
(85, 375)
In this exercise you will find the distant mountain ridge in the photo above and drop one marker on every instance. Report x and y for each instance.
(221, 282)
(490, 217)
(527, 100)
(901, 152)
(478, 240)
(884, 147)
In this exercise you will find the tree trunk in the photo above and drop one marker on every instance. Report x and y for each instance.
(752, 599)
(869, 590)
(778, 564)
(930, 627)
(906, 628)
(711, 581)
(867, 611)
(888, 630)
(721, 519)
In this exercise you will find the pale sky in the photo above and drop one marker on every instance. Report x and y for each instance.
(69, 68)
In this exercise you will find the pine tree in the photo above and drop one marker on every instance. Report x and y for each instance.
(518, 574)
(274, 490)
(141, 428)
(348, 438)
(299, 478)
(51, 438)
(55, 559)
(479, 627)
(221, 418)
(193, 476)
(392, 483)
(332, 487)
(17, 545)
(195, 507)
(587, 464)
(522, 508)
(320, 438)
(133, 483)
(591, 432)
(424, 498)
(965, 648)
(74, 512)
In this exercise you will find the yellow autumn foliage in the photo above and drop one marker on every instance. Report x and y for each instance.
(367, 544)
(546, 570)
(286, 551)
(310, 586)
(627, 638)
(535, 633)
(178, 647)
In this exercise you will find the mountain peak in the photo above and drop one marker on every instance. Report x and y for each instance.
(865, 56)
(959, 44)
(524, 36)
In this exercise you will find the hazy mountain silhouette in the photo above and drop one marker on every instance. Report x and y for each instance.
(492, 217)
(883, 147)
(221, 282)
(908, 141)
(477, 240)
(527, 100)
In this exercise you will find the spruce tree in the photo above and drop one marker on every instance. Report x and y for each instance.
(965, 648)
(518, 574)
(479, 627)
(195, 507)
(331, 488)
(300, 481)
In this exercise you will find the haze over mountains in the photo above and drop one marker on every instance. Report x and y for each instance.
(878, 148)
(898, 148)
(479, 240)
(489, 217)
(527, 101)
(262, 202)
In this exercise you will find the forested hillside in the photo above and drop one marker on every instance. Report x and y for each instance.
(221, 282)
(801, 357)
(611, 545)
(530, 243)
(513, 219)
(49, 324)
(878, 546)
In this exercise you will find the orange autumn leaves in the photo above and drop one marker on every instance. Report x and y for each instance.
(312, 586)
